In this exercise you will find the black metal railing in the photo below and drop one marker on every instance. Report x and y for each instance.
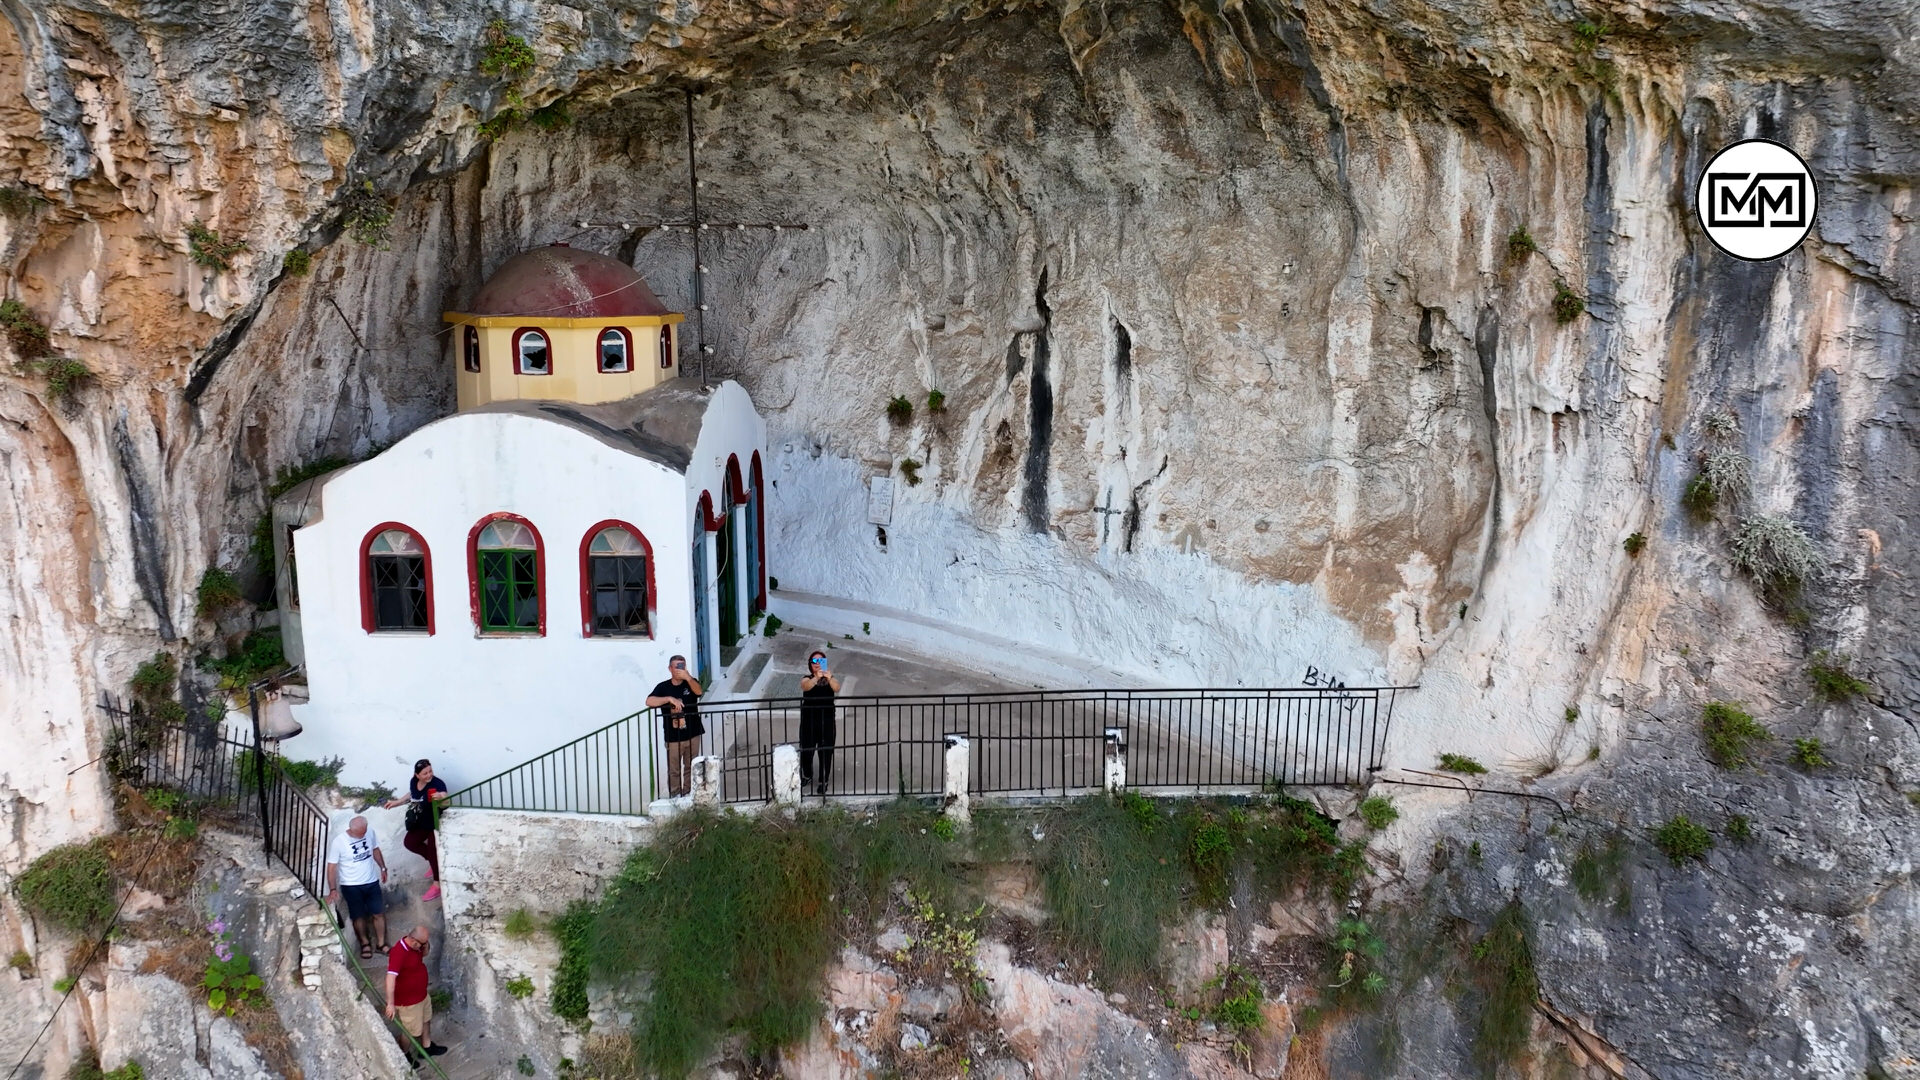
(204, 762)
(613, 770)
(1055, 742)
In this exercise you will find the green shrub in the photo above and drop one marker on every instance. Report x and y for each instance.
(1355, 954)
(569, 993)
(944, 828)
(504, 52)
(1726, 471)
(288, 479)
(1210, 854)
(520, 987)
(307, 774)
(1572, 714)
(206, 247)
(1731, 734)
(1460, 763)
(1520, 244)
(910, 469)
(1502, 963)
(21, 962)
(899, 410)
(520, 924)
(936, 401)
(1141, 809)
(297, 263)
(1833, 678)
(64, 375)
(1681, 839)
(1378, 812)
(1635, 544)
(182, 828)
(153, 681)
(1739, 828)
(773, 624)
(64, 985)
(26, 334)
(18, 200)
(550, 117)
(1293, 844)
(1587, 34)
(70, 887)
(88, 1068)
(218, 593)
(1810, 754)
(1567, 305)
(525, 1066)
(1241, 996)
(1776, 552)
(1600, 869)
(1699, 499)
(366, 216)
(259, 652)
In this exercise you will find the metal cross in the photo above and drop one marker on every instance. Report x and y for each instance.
(697, 226)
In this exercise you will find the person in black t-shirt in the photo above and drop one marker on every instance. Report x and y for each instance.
(817, 688)
(423, 790)
(678, 699)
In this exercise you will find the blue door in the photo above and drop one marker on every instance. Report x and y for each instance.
(702, 616)
(752, 525)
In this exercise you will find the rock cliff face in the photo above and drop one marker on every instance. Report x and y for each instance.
(1240, 375)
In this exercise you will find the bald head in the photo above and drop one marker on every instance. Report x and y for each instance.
(357, 828)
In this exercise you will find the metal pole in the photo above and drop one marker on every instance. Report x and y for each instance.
(260, 772)
(699, 267)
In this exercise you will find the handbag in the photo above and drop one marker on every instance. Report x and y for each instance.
(420, 816)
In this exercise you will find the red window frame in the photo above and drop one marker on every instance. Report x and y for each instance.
(545, 336)
(470, 348)
(539, 568)
(666, 346)
(366, 575)
(586, 581)
(707, 517)
(599, 360)
(760, 527)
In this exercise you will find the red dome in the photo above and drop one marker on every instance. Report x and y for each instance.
(560, 282)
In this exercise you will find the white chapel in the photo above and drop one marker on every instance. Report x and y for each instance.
(516, 575)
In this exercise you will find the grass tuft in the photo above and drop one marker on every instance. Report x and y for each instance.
(1635, 544)
(520, 924)
(1601, 869)
(1777, 553)
(774, 623)
(899, 410)
(1810, 754)
(1378, 812)
(520, 987)
(1739, 828)
(504, 52)
(1502, 963)
(218, 593)
(569, 993)
(936, 401)
(153, 681)
(1567, 304)
(1731, 734)
(1698, 499)
(1112, 881)
(27, 334)
(1460, 763)
(206, 247)
(1681, 839)
(910, 469)
(1833, 678)
(367, 216)
(70, 887)
(297, 263)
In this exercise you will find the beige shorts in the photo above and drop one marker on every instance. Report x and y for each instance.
(414, 1017)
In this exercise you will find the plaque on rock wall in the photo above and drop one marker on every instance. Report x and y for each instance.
(880, 500)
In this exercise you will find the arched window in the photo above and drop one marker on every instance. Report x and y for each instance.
(757, 536)
(666, 345)
(616, 582)
(470, 347)
(531, 353)
(508, 575)
(396, 580)
(616, 350)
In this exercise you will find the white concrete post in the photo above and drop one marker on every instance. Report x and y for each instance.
(786, 774)
(956, 769)
(706, 780)
(1116, 778)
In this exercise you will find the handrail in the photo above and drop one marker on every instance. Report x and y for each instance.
(562, 747)
(346, 954)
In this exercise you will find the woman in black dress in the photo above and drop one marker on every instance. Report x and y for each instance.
(817, 688)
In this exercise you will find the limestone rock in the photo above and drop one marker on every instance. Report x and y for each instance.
(1194, 953)
(150, 1019)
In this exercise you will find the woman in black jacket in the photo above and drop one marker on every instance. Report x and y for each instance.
(817, 688)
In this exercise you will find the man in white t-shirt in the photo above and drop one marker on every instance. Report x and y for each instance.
(357, 870)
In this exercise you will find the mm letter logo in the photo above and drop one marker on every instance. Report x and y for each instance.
(1756, 200)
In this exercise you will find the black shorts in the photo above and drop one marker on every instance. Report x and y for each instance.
(364, 900)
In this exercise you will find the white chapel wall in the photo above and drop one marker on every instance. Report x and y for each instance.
(479, 705)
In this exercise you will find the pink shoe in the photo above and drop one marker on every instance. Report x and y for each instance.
(432, 893)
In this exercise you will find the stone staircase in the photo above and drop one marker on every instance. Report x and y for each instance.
(471, 1055)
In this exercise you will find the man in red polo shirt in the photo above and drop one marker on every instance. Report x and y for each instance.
(407, 999)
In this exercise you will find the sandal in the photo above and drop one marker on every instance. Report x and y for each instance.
(366, 951)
